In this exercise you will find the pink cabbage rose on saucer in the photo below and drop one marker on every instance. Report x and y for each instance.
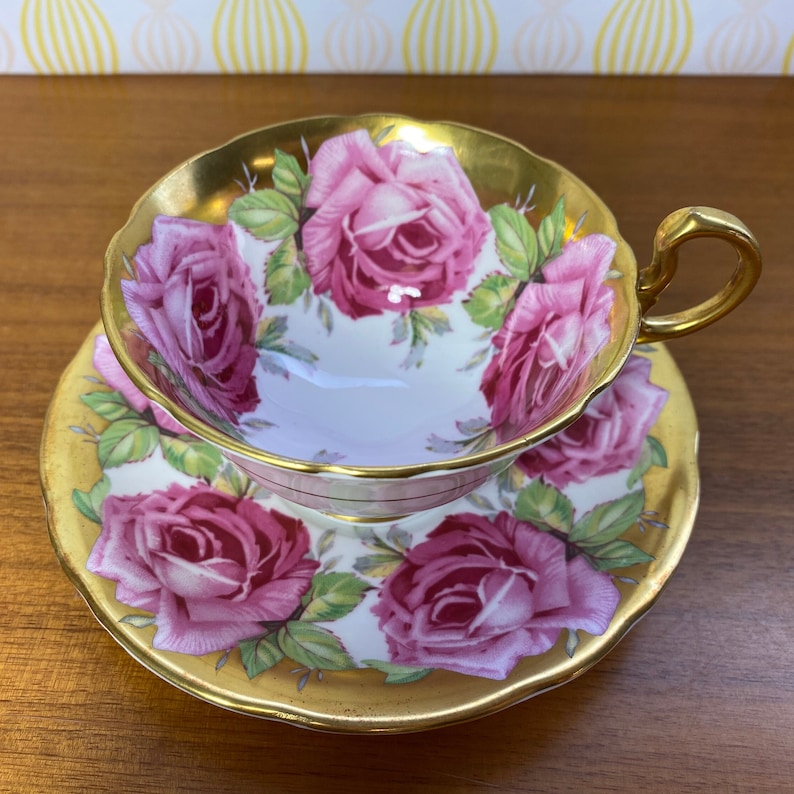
(107, 365)
(194, 301)
(608, 437)
(210, 566)
(394, 230)
(478, 595)
(553, 332)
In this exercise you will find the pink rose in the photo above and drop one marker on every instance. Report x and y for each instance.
(553, 332)
(195, 303)
(394, 230)
(107, 365)
(211, 567)
(479, 595)
(608, 437)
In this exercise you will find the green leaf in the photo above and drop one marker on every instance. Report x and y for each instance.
(616, 554)
(642, 465)
(476, 359)
(653, 454)
(658, 453)
(270, 331)
(511, 479)
(332, 596)
(128, 266)
(551, 230)
(545, 507)
(432, 319)
(400, 328)
(126, 441)
(89, 503)
(325, 315)
(286, 277)
(110, 405)
(259, 654)
(399, 538)
(491, 301)
(382, 135)
(572, 642)
(481, 502)
(607, 521)
(270, 338)
(313, 646)
(326, 542)
(397, 673)
(379, 565)
(191, 456)
(139, 621)
(267, 214)
(289, 179)
(231, 480)
(516, 241)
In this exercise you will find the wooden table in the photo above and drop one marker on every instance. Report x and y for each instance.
(699, 696)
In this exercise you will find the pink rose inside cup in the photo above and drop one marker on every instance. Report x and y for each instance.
(395, 229)
(194, 302)
(556, 328)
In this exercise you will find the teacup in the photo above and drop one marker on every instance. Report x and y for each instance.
(371, 316)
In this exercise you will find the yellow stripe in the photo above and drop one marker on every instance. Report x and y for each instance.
(470, 22)
(286, 38)
(788, 57)
(626, 66)
(23, 27)
(456, 38)
(80, 37)
(245, 36)
(658, 53)
(231, 44)
(421, 32)
(111, 42)
(688, 27)
(494, 36)
(664, 66)
(438, 35)
(53, 12)
(407, 38)
(216, 35)
(25, 23)
(301, 31)
(600, 39)
(649, 37)
(259, 41)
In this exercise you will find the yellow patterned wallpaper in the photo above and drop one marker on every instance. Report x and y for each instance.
(416, 36)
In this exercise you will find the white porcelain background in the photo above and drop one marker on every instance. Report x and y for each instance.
(358, 404)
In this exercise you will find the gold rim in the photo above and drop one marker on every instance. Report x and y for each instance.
(198, 177)
(358, 701)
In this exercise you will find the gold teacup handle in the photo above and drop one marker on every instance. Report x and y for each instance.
(676, 229)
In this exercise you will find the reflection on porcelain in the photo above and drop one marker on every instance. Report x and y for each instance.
(374, 311)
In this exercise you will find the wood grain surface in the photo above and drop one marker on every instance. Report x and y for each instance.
(698, 697)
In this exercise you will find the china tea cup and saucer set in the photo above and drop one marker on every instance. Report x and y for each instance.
(382, 435)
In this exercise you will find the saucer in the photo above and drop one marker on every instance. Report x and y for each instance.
(248, 602)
